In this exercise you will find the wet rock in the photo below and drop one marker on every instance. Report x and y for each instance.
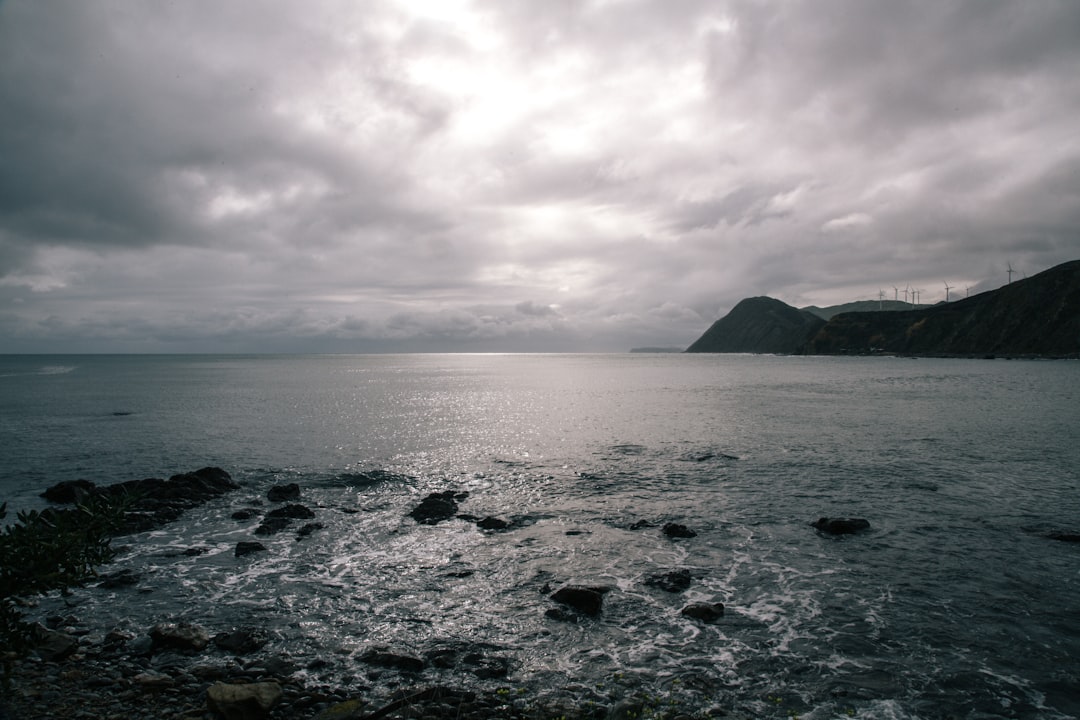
(245, 514)
(1064, 537)
(183, 636)
(586, 600)
(703, 611)
(437, 507)
(308, 529)
(252, 701)
(241, 641)
(284, 493)
(840, 526)
(119, 579)
(293, 512)
(69, 491)
(382, 657)
(246, 547)
(492, 523)
(272, 526)
(676, 530)
(141, 646)
(674, 582)
(52, 645)
(561, 614)
(641, 524)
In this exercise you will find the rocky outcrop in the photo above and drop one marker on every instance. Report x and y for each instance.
(840, 526)
(759, 325)
(437, 507)
(586, 600)
(703, 611)
(246, 701)
(677, 530)
(284, 493)
(673, 582)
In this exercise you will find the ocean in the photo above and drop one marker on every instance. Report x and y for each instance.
(957, 602)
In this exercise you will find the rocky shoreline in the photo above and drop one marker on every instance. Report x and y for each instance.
(176, 669)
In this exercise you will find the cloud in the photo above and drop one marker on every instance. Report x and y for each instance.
(587, 176)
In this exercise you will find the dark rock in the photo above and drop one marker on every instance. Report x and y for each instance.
(196, 551)
(245, 514)
(437, 507)
(251, 701)
(293, 512)
(840, 526)
(1064, 537)
(561, 614)
(183, 636)
(272, 526)
(586, 600)
(121, 578)
(673, 582)
(308, 529)
(241, 641)
(246, 547)
(759, 325)
(492, 523)
(284, 493)
(69, 491)
(382, 657)
(141, 646)
(706, 612)
(52, 646)
(675, 530)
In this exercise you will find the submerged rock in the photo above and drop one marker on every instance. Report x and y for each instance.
(272, 526)
(703, 611)
(840, 526)
(676, 530)
(293, 512)
(673, 582)
(246, 547)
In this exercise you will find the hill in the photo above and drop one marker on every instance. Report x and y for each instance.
(759, 325)
(1039, 315)
(827, 313)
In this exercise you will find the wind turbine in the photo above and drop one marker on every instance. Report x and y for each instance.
(1010, 271)
(895, 294)
(967, 291)
(880, 297)
(948, 287)
(906, 288)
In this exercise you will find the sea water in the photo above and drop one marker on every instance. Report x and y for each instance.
(957, 602)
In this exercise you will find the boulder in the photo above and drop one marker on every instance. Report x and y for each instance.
(241, 641)
(246, 547)
(703, 611)
(673, 582)
(252, 701)
(385, 658)
(308, 529)
(183, 636)
(492, 523)
(272, 525)
(284, 493)
(586, 600)
(840, 526)
(52, 645)
(69, 491)
(437, 507)
(245, 514)
(293, 512)
(675, 530)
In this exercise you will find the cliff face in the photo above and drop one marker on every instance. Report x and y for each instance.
(1036, 316)
(759, 325)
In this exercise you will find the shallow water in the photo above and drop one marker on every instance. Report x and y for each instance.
(953, 604)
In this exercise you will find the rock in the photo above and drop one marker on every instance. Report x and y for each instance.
(492, 523)
(384, 658)
(153, 681)
(293, 512)
(673, 582)
(252, 701)
(246, 547)
(52, 645)
(706, 612)
(437, 507)
(141, 646)
(840, 526)
(586, 600)
(308, 529)
(69, 491)
(121, 578)
(272, 526)
(1064, 537)
(284, 493)
(241, 641)
(183, 636)
(675, 530)
(245, 514)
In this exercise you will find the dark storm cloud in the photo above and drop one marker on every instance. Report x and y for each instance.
(570, 175)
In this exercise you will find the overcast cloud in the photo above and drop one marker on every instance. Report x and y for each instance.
(331, 175)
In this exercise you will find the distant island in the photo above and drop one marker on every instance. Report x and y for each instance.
(656, 350)
(1037, 316)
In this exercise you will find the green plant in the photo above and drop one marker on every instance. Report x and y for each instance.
(50, 550)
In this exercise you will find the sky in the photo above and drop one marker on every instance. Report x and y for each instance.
(516, 175)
